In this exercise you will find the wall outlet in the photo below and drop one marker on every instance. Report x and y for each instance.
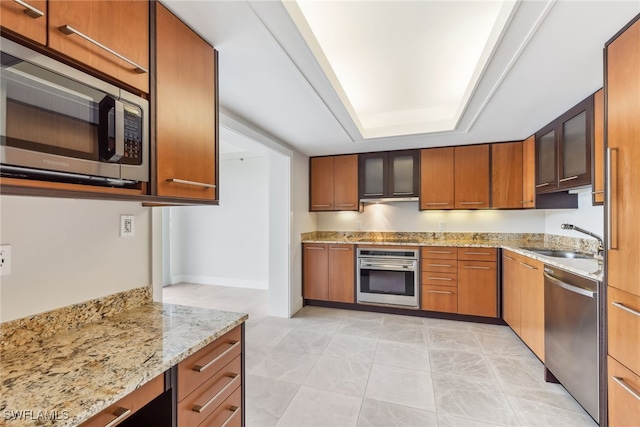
(442, 226)
(126, 226)
(358, 225)
(5, 260)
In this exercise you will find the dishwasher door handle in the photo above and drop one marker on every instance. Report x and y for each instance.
(570, 288)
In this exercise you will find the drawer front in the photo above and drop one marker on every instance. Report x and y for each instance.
(624, 328)
(624, 396)
(440, 266)
(128, 405)
(477, 254)
(207, 398)
(440, 298)
(228, 414)
(439, 252)
(439, 279)
(202, 365)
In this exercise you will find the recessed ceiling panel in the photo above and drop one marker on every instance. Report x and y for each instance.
(402, 67)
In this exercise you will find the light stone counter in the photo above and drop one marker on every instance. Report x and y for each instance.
(77, 373)
(512, 241)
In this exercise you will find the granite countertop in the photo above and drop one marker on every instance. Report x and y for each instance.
(584, 267)
(79, 372)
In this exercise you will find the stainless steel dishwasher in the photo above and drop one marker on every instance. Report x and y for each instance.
(571, 335)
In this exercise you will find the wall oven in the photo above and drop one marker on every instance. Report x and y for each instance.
(58, 123)
(388, 277)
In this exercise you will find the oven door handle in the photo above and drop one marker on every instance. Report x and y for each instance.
(397, 267)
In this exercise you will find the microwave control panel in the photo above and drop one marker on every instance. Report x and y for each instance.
(132, 137)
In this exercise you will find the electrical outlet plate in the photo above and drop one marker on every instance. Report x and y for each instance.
(5, 260)
(126, 226)
(442, 226)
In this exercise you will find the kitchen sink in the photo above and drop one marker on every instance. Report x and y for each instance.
(561, 253)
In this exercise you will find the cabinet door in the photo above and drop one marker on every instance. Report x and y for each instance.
(477, 288)
(345, 183)
(186, 111)
(623, 134)
(511, 290)
(529, 172)
(436, 178)
(28, 21)
(532, 326)
(316, 271)
(322, 190)
(440, 298)
(374, 175)
(404, 177)
(342, 264)
(506, 175)
(623, 395)
(471, 177)
(598, 147)
(121, 26)
(623, 327)
(575, 146)
(546, 160)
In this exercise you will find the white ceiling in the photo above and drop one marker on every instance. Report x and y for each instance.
(548, 59)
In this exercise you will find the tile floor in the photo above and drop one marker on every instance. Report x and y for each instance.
(328, 367)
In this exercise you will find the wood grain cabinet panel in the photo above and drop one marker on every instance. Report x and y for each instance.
(322, 181)
(437, 178)
(477, 254)
(529, 172)
(186, 111)
(624, 328)
(471, 177)
(477, 288)
(439, 252)
(333, 183)
(624, 395)
(316, 271)
(27, 21)
(532, 305)
(511, 290)
(598, 147)
(342, 261)
(228, 414)
(506, 175)
(440, 298)
(122, 26)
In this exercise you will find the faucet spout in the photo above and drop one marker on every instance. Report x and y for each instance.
(588, 233)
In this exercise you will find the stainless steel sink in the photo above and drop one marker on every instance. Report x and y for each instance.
(561, 254)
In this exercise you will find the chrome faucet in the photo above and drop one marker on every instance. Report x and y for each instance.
(600, 255)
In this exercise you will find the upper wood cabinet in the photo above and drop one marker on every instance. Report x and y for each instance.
(563, 150)
(334, 183)
(111, 37)
(471, 179)
(436, 178)
(506, 175)
(393, 174)
(598, 147)
(186, 113)
(529, 172)
(28, 20)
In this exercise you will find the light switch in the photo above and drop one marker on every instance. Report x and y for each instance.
(126, 226)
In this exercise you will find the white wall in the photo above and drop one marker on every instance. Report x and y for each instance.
(68, 251)
(226, 244)
(586, 216)
(405, 216)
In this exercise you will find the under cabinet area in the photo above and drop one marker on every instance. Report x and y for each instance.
(329, 272)
(333, 183)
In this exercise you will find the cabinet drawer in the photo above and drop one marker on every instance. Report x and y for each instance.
(128, 405)
(205, 399)
(437, 266)
(202, 365)
(477, 254)
(624, 328)
(624, 395)
(439, 279)
(439, 252)
(440, 298)
(229, 414)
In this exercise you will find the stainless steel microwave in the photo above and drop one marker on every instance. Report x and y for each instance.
(58, 123)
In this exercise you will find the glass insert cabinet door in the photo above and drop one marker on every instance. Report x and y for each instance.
(389, 174)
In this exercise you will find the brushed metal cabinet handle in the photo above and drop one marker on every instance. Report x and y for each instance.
(438, 203)
(30, 10)
(612, 242)
(200, 368)
(625, 308)
(624, 385)
(439, 278)
(473, 267)
(542, 185)
(598, 192)
(508, 257)
(340, 204)
(194, 183)
(339, 249)
(568, 179)
(200, 408)
(69, 30)
(321, 206)
(440, 292)
(528, 266)
(315, 248)
(439, 252)
(236, 410)
(439, 265)
(121, 413)
(472, 203)
(477, 253)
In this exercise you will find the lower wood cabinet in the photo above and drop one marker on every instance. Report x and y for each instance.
(477, 288)
(624, 395)
(523, 299)
(329, 272)
(440, 298)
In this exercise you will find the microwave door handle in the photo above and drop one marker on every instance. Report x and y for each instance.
(119, 132)
(111, 146)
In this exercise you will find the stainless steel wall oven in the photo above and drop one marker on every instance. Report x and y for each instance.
(388, 277)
